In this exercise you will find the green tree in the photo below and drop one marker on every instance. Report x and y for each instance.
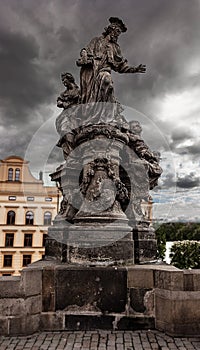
(186, 254)
(196, 234)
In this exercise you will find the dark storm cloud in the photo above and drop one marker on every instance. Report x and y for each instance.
(179, 136)
(191, 151)
(23, 83)
(194, 150)
(188, 181)
(38, 42)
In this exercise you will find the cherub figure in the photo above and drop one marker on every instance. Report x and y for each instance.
(68, 120)
(70, 96)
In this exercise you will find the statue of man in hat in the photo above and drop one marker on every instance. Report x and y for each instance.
(98, 59)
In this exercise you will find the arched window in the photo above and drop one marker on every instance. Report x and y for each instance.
(11, 217)
(10, 174)
(29, 218)
(17, 174)
(47, 218)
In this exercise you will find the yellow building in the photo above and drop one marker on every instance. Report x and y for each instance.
(26, 210)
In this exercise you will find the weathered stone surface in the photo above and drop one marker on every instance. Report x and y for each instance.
(176, 311)
(27, 324)
(33, 304)
(31, 281)
(170, 280)
(21, 306)
(120, 252)
(10, 287)
(88, 322)
(48, 289)
(101, 287)
(112, 322)
(191, 280)
(92, 244)
(145, 250)
(140, 277)
(53, 247)
(136, 322)
(52, 321)
(12, 307)
(137, 296)
(4, 326)
(149, 303)
(92, 297)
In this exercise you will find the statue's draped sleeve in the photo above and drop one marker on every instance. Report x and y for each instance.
(118, 62)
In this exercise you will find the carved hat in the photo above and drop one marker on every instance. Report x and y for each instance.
(118, 22)
(67, 76)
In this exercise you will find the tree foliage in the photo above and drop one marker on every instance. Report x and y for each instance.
(185, 255)
(175, 231)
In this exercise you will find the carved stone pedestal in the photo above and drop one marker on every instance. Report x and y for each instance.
(107, 245)
(92, 227)
(104, 183)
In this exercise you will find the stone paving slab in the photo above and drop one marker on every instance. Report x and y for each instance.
(99, 340)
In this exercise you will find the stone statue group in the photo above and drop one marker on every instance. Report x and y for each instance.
(92, 110)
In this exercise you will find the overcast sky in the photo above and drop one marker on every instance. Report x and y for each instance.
(41, 39)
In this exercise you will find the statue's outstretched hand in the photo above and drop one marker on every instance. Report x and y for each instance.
(141, 68)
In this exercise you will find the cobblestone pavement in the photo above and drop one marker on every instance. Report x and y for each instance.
(99, 340)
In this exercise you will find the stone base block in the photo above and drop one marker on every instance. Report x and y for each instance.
(178, 312)
(100, 288)
(104, 245)
(120, 252)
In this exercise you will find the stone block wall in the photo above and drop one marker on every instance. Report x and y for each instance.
(170, 294)
(177, 302)
(54, 296)
(21, 303)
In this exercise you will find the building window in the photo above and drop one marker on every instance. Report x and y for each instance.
(28, 240)
(26, 260)
(47, 218)
(44, 239)
(9, 240)
(12, 198)
(7, 261)
(29, 218)
(30, 199)
(10, 174)
(11, 217)
(17, 174)
(48, 199)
